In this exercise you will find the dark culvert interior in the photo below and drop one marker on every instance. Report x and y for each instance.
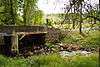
(5, 48)
(28, 43)
(31, 43)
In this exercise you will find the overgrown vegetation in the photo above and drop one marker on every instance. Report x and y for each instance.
(20, 12)
(92, 39)
(78, 15)
(53, 60)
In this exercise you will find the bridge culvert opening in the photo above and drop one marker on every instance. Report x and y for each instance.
(31, 42)
(5, 47)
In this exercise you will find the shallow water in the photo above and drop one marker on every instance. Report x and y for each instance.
(73, 53)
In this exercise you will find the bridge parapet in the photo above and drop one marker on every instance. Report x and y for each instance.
(13, 32)
(11, 29)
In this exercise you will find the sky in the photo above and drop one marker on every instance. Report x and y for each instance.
(56, 6)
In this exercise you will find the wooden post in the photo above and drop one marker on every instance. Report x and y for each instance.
(14, 40)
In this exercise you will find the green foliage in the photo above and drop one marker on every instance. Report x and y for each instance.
(31, 14)
(82, 61)
(8, 12)
(49, 45)
(93, 39)
(53, 60)
(19, 12)
(72, 38)
(2, 9)
(37, 17)
(28, 11)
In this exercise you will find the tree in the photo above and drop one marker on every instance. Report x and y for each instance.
(28, 11)
(80, 10)
(8, 15)
(77, 6)
(37, 17)
(19, 12)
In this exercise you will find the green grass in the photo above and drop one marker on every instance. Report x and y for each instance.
(92, 39)
(53, 60)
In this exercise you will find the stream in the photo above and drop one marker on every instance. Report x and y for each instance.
(74, 53)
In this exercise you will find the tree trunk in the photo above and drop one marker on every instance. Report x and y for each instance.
(81, 21)
(74, 18)
(24, 15)
(12, 13)
(99, 5)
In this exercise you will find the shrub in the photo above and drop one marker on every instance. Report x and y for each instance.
(93, 39)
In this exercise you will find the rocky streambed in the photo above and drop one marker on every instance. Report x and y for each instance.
(73, 50)
(74, 53)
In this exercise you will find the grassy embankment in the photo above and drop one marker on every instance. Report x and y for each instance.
(92, 39)
(53, 60)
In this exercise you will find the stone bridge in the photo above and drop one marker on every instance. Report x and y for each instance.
(22, 30)
(11, 35)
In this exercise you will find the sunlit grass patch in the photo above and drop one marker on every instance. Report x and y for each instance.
(52, 60)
